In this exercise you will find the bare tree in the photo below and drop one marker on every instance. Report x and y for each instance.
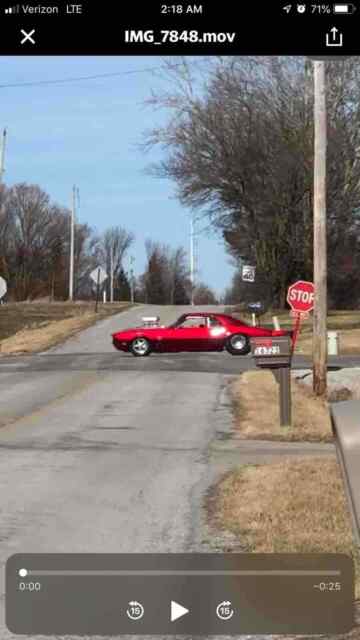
(31, 218)
(204, 295)
(35, 245)
(166, 279)
(6, 224)
(112, 249)
(239, 147)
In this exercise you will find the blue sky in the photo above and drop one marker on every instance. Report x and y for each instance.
(86, 132)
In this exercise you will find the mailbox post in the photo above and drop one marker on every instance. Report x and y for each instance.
(274, 353)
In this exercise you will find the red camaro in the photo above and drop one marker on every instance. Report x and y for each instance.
(192, 332)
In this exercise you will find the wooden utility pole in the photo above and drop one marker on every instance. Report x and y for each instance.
(132, 287)
(72, 238)
(192, 258)
(320, 259)
(112, 272)
(97, 290)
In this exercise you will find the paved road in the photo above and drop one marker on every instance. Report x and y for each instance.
(100, 458)
(92, 351)
(100, 451)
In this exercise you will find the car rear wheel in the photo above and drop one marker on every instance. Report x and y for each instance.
(238, 345)
(140, 347)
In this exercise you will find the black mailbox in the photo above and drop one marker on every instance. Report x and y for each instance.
(275, 353)
(271, 352)
(256, 307)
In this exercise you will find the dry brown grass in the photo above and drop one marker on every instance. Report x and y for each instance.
(347, 323)
(335, 320)
(256, 411)
(349, 342)
(40, 331)
(295, 506)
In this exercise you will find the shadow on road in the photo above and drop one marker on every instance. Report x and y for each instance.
(188, 362)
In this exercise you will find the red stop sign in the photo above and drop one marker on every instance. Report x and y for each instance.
(300, 296)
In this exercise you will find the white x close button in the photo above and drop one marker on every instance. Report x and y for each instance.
(27, 36)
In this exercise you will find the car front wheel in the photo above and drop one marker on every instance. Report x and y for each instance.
(140, 347)
(238, 345)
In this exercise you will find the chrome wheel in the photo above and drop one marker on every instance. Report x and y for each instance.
(238, 345)
(140, 347)
(238, 342)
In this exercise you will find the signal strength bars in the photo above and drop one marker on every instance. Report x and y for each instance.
(13, 9)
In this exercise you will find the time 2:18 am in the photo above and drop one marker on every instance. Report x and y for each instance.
(171, 9)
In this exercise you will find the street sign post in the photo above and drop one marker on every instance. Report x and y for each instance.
(98, 276)
(3, 287)
(255, 308)
(300, 297)
(248, 273)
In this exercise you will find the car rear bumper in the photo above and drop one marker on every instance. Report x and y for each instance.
(282, 332)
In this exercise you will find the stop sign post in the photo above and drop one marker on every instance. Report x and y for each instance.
(300, 297)
(98, 276)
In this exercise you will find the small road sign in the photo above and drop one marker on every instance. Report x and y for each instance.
(248, 273)
(256, 307)
(300, 296)
(3, 287)
(99, 275)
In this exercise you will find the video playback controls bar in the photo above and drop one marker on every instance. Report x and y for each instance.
(192, 594)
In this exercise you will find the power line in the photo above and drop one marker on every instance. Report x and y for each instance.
(63, 80)
(93, 77)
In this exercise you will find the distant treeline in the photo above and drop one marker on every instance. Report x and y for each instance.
(35, 255)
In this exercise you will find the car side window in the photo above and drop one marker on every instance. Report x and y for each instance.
(213, 322)
(190, 323)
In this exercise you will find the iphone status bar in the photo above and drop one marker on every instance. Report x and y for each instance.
(195, 28)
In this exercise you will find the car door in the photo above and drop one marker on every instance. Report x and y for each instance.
(167, 341)
(193, 338)
(191, 335)
(160, 338)
(217, 334)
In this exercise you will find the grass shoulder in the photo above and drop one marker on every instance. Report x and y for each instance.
(346, 323)
(256, 411)
(293, 506)
(33, 327)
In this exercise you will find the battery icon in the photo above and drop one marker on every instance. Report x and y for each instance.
(344, 9)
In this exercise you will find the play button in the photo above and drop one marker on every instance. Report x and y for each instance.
(177, 611)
